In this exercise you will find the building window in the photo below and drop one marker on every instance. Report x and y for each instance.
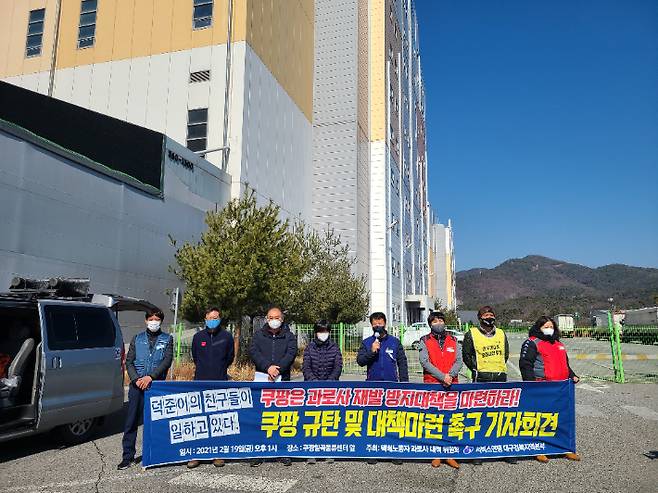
(87, 26)
(35, 32)
(202, 14)
(197, 129)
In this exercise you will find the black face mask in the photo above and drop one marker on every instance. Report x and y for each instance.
(488, 322)
(379, 330)
(438, 328)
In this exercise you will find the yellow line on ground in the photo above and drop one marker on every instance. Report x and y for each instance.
(606, 356)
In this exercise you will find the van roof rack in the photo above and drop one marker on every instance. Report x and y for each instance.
(54, 287)
(71, 289)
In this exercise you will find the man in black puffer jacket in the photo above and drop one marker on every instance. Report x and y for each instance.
(273, 348)
(322, 358)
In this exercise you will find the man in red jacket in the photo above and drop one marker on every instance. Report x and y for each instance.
(441, 358)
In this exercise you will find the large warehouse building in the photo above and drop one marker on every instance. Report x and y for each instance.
(85, 195)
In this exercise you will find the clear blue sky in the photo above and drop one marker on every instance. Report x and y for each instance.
(542, 124)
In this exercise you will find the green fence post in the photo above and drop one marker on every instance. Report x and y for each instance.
(469, 375)
(620, 363)
(341, 337)
(613, 348)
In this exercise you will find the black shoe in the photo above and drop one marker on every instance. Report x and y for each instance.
(371, 462)
(255, 462)
(124, 464)
(286, 461)
(397, 462)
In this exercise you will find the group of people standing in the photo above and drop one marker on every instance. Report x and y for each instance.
(273, 349)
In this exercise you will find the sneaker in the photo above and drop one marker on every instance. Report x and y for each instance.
(311, 461)
(124, 464)
(193, 463)
(572, 456)
(330, 461)
(255, 462)
(371, 462)
(476, 462)
(452, 463)
(511, 460)
(397, 462)
(286, 461)
(436, 462)
(541, 458)
(218, 462)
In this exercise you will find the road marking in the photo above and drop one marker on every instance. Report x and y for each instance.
(606, 356)
(587, 410)
(586, 386)
(642, 412)
(233, 482)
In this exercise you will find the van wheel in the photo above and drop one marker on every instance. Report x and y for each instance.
(76, 432)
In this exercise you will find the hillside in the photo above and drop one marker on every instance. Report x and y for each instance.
(528, 287)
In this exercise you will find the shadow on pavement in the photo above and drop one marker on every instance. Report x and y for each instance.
(24, 447)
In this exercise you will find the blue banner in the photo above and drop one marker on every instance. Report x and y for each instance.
(241, 420)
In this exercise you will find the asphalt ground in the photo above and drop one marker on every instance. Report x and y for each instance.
(617, 437)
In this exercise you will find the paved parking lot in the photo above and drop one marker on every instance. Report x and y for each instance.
(617, 436)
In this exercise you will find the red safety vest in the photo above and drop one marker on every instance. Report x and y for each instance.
(555, 359)
(442, 359)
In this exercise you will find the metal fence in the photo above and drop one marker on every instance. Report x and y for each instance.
(614, 353)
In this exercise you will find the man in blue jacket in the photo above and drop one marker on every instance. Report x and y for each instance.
(212, 352)
(383, 354)
(149, 357)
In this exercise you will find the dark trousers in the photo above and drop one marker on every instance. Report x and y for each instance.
(133, 419)
(489, 377)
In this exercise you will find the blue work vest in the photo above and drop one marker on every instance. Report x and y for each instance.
(147, 359)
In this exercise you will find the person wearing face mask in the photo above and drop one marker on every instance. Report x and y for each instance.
(274, 347)
(149, 357)
(544, 358)
(322, 357)
(441, 358)
(384, 357)
(485, 349)
(439, 353)
(212, 352)
(273, 351)
(485, 352)
(383, 354)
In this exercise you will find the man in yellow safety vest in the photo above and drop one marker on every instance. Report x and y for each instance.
(485, 349)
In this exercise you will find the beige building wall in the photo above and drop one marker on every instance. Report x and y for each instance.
(139, 67)
(279, 31)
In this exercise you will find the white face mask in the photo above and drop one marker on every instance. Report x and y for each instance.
(547, 331)
(153, 325)
(274, 323)
(322, 336)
